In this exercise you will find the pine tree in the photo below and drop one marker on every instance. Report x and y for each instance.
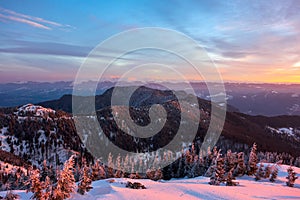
(259, 173)
(158, 174)
(98, 171)
(291, 178)
(218, 174)
(241, 167)
(48, 189)
(230, 160)
(85, 181)
(44, 172)
(230, 179)
(154, 174)
(267, 171)
(110, 167)
(252, 163)
(274, 174)
(211, 161)
(119, 172)
(66, 181)
(36, 187)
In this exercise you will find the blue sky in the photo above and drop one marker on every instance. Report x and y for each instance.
(256, 41)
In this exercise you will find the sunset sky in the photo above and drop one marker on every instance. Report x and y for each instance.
(249, 41)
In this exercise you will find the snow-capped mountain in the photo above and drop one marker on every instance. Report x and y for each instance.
(35, 134)
(44, 132)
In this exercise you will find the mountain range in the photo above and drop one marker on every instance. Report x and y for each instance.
(248, 98)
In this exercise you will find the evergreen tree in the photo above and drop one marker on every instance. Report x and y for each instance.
(252, 163)
(211, 161)
(44, 172)
(85, 182)
(291, 178)
(110, 168)
(66, 181)
(36, 186)
(154, 174)
(274, 174)
(267, 171)
(98, 171)
(259, 173)
(218, 174)
(119, 172)
(230, 160)
(48, 189)
(180, 169)
(241, 167)
(230, 179)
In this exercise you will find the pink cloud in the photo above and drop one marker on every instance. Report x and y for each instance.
(25, 21)
(31, 20)
(37, 19)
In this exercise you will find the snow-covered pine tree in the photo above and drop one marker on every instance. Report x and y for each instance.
(241, 167)
(274, 174)
(36, 186)
(44, 172)
(85, 183)
(180, 169)
(291, 178)
(48, 189)
(118, 171)
(66, 181)
(95, 171)
(126, 164)
(110, 168)
(211, 160)
(230, 178)
(218, 174)
(188, 164)
(259, 173)
(252, 163)
(158, 174)
(230, 160)
(267, 172)
(154, 174)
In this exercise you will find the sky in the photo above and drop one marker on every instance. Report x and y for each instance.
(248, 41)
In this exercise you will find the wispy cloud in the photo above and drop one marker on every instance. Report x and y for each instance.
(25, 21)
(31, 20)
(46, 48)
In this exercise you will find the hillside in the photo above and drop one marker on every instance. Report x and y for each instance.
(35, 134)
(239, 128)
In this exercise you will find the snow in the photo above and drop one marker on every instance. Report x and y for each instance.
(195, 188)
(289, 131)
(37, 110)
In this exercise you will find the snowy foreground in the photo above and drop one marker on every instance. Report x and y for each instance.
(196, 188)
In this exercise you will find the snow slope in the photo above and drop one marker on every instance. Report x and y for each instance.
(196, 188)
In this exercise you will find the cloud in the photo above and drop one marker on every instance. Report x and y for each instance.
(31, 20)
(25, 21)
(47, 48)
(297, 64)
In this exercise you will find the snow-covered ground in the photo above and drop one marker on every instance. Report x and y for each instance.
(196, 188)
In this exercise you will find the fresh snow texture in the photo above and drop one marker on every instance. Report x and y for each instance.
(37, 110)
(195, 188)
